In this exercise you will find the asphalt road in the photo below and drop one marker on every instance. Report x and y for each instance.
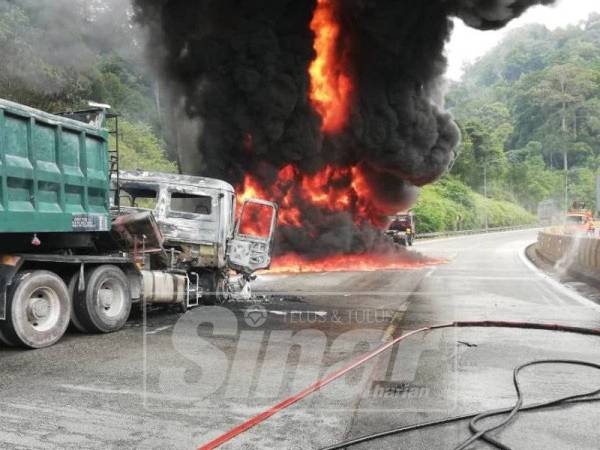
(173, 381)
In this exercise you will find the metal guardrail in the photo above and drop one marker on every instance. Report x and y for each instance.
(478, 231)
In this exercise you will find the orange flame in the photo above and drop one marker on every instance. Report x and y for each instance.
(333, 189)
(330, 84)
(350, 263)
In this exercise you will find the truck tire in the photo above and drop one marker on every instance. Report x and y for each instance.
(214, 288)
(105, 305)
(73, 293)
(38, 309)
(4, 340)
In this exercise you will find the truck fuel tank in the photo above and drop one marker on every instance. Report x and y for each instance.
(163, 287)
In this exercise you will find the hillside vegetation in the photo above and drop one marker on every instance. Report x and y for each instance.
(450, 205)
(524, 108)
(68, 52)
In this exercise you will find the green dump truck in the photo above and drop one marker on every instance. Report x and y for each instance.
(81, 241)
(54, 173)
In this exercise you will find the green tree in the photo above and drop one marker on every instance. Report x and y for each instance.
(531, 182)
(140, 149)
(537, 92)
(480, 148)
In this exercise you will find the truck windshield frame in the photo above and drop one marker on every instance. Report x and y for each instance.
(575, 220)
(141, 195)
(202, 207)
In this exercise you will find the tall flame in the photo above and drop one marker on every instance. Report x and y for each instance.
(332, 189)
(330, 83)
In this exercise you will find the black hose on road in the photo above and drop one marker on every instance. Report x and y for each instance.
(510, 412)
(321, 383)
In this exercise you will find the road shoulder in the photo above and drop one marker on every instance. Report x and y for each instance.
(577, 284)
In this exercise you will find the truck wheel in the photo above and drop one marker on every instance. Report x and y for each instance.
(182, 307)
(214, 287)
(73, 293)
(4, 340)
(105, 305)
(38, 309)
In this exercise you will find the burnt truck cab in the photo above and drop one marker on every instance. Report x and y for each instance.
(196, 217)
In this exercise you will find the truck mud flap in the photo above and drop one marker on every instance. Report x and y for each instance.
(9, 266)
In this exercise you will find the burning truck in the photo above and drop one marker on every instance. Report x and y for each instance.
(333, 109)
(82, 241)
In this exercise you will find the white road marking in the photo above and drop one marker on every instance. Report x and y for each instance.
(482, 277)
(159, 329)
(430, 271)
(573, 295)
(393, 326)
(402, 306)
(296, 312)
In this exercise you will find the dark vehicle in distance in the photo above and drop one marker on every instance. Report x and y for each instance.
(402, 228)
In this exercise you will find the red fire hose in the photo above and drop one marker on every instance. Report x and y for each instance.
(241, 428)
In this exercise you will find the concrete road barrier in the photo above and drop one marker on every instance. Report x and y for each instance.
(578, 253)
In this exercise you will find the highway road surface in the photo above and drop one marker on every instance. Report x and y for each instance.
(177, 381)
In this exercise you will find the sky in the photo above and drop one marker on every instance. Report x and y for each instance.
(467, 44)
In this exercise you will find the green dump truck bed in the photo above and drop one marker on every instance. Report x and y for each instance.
(54, 173)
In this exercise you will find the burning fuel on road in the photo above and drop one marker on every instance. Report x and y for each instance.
(331, 108)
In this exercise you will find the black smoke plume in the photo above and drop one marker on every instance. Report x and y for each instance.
(240, 67)
(47, 48)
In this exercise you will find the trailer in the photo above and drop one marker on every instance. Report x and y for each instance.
(81, 241)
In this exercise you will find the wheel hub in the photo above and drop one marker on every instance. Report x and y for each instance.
(106, 298)
(39, 309)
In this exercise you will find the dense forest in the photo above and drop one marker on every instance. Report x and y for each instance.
(61, 56)
(523, 108)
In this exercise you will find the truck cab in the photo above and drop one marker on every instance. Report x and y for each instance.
(578, 219)
(196, 217)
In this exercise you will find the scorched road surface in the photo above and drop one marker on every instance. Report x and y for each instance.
(175, 381)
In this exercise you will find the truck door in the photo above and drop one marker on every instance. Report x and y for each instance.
(252, 243)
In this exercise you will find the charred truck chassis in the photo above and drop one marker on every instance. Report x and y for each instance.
(81, 242)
